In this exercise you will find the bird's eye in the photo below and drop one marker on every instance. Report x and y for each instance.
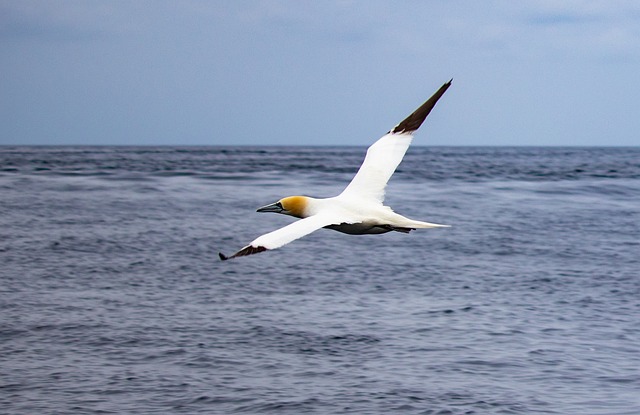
(279, 205)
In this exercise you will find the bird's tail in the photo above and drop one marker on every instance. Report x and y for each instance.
(419, 224)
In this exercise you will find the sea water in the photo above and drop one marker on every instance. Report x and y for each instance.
(113, 299)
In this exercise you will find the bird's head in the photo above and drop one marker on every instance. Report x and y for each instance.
(292, 205)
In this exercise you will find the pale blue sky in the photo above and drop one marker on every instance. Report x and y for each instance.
(539, 72)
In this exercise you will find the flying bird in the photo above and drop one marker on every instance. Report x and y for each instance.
(359, 209)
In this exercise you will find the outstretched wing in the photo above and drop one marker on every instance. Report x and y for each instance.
(283, 236)
(385, 154)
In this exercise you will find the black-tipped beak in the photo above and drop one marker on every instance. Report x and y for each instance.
(274, 207)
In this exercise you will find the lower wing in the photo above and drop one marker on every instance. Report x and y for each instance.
(283, 236)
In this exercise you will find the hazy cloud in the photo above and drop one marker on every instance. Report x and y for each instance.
(201, 72)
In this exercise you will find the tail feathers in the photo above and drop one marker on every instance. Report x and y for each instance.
(424, 225)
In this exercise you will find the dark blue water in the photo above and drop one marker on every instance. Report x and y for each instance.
(113, 299)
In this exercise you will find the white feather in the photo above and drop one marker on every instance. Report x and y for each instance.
(381, 161)
(298, 229)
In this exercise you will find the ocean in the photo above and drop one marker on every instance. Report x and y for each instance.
(113, 299)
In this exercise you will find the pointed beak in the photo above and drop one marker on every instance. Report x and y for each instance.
(274, 207)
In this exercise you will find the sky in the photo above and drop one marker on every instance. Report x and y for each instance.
(302, 72)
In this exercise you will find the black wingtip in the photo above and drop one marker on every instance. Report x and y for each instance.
(247, 250)
(415, 120)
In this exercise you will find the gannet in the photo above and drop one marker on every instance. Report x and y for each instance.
(359, 209)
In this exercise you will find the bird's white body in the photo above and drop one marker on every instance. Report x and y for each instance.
(355, 211)
(359, 209)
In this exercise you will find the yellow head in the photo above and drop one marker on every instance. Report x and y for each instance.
(292, 205)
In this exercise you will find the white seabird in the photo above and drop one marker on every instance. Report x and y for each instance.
(358, 210)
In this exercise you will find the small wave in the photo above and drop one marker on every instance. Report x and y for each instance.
(299, 406)
(305, 342)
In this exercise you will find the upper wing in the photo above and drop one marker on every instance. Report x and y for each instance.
(283, 236)
(385, 154)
